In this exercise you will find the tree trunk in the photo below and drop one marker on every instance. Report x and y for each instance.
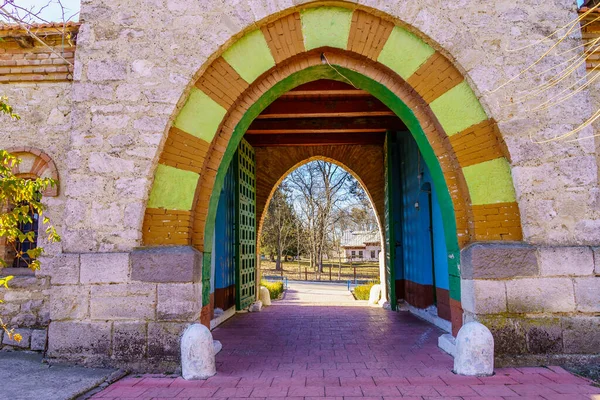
(278, 261)
(320, 263)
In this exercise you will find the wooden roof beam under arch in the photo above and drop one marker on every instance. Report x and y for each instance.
(323, 112)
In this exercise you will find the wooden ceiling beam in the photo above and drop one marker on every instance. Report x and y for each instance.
(347, 123)
(358, 114)
(324, 94)
(312, 131)
(372, 138)
(324, 105)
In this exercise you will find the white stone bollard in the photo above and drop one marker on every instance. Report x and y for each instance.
(256, 306)
(374, 295)
(217, 346)
(382, 279)
(265, 296)
(197, 353)
(474, 350)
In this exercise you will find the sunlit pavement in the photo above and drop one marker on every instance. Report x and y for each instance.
(319, 293)
(304, 350)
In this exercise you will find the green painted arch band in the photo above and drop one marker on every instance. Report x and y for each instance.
(200, 116)
(173, 188)
(490, 182)
(404, 52)
(390, 100)
(458, 109)
(250, 56)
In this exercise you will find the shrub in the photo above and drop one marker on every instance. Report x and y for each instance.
(362, 292)
(275, 288)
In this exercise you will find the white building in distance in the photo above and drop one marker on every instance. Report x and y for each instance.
(361, 246)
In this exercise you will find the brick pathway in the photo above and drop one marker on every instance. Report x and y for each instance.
(319, 293)
(306, 353)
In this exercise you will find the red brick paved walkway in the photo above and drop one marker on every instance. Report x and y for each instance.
(308, 352)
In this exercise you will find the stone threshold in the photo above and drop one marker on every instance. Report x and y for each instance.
(447, 342)
(430, 315)
(230, 312)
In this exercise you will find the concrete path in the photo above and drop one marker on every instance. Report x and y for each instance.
(318, 294)
(24, 377)
(302, 351)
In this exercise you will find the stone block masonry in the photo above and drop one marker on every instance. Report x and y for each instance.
(26, 309)
(124, 309)
(535, 300)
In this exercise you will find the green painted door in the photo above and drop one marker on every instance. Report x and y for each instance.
(245, 233)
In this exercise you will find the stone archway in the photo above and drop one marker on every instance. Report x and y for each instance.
(364, 163)
(460, 144)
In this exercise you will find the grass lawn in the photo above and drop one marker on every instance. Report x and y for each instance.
(293, 271)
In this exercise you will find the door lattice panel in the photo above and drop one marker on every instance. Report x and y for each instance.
(246, 223)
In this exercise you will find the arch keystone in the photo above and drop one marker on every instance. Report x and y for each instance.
(326, 26)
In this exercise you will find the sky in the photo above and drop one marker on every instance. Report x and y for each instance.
(53, 12)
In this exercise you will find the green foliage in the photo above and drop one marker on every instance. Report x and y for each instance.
(275, 288)
(20, 200)
(5, 108)
(362, 292)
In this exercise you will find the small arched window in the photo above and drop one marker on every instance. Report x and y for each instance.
(34, 164)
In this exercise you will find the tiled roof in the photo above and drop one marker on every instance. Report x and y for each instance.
(7, 29)
(10, 27)
(359, 238)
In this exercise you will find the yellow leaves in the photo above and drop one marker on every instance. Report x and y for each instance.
(17, 337)
(4, 281)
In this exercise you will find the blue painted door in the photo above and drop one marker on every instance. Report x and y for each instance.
(224, 252)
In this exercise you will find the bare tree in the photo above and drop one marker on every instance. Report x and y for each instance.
(30, 18)
(561, 81)
(279, 228)
(322, 187)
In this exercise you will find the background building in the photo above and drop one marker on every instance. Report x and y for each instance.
(361, 246)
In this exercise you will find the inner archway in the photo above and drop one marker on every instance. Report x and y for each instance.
(311, 209)
(459, 143)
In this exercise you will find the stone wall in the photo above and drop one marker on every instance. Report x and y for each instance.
(535, 299)
(123, 309)
(123, 101)
(45, 111)
(26, 309)
(134, 66)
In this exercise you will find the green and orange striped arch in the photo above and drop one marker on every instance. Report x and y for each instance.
(396, 65)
